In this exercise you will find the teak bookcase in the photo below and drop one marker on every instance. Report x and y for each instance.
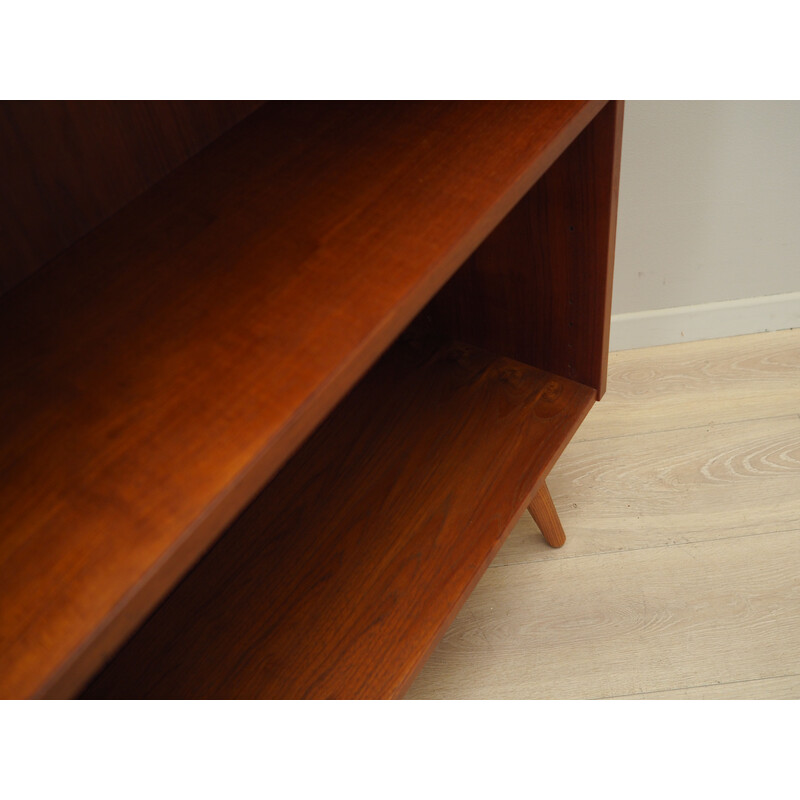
(277, 380)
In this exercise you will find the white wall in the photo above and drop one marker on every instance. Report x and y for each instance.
(708, 236)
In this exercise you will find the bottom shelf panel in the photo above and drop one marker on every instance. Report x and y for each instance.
(342, 575)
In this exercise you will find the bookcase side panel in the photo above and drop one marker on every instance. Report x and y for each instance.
(539, 287)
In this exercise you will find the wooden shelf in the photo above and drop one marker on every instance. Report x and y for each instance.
(159, 372)
(341, 576)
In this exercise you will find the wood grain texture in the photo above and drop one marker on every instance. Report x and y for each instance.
(697, 384)
(65, 166)
(673, 487)
(670, 529)
(160, 371)
(342, 575)
(614, 624)
(545, 516)
(539, 288)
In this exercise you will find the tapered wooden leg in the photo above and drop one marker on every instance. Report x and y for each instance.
(546, 517)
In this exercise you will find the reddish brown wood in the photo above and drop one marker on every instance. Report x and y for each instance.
(65, 166)
(545, 516)
(342, 575)
(160, 371)
(539, 288)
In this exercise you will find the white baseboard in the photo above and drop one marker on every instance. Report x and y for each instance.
(706, 321)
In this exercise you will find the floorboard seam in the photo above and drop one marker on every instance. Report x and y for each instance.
(637, 549)
(687, 428)
(698, 686)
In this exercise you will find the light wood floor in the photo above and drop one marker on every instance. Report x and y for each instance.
(680, 578)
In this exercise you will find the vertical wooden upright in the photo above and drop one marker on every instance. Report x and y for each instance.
(229, 465)
(539, 287)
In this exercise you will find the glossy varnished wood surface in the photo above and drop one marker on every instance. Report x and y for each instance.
(341, 576)
(65, 166)
(158, 373)
(539, 288)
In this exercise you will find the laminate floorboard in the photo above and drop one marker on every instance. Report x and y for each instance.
(696, 384)
(626, 623)
(681, 486)
(680, 497)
